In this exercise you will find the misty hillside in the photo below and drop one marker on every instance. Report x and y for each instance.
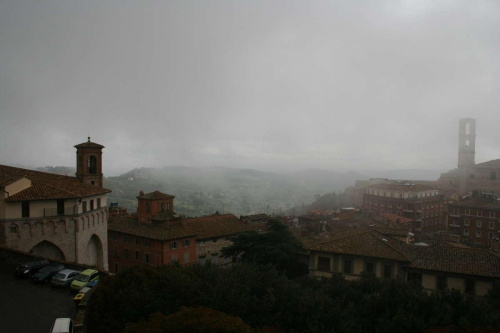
(202, 191)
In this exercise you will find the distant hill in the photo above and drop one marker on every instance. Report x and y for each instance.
(202, 191)
(59, 170)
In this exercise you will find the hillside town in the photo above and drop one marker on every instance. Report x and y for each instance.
(439, 235)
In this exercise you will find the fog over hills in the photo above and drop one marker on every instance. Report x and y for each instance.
(205, 190)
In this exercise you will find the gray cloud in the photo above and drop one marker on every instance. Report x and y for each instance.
(264, 84)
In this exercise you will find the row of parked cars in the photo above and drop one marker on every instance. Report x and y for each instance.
(42, 271)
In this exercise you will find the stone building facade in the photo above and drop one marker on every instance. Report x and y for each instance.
(58, 217)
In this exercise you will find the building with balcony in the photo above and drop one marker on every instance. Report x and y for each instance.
(476, 220)
(420, 203)
(54, 216)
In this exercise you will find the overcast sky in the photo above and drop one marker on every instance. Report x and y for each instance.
(339, 85)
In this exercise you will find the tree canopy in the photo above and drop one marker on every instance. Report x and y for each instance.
(277, 247)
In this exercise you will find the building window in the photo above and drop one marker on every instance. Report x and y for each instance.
(388, 271)
(469, 286)
(479, 213)
(126, 239)
(186, 243)
(467, 212)
(215, 258)
(389, 204)
(137, 241)
(137, 256)
(479, 224)
(415, 278)
(146, 258)
(466, 222)
(148, 207)
(125, 253)
(492, 225)
(84, 206)
(93, 165)
(174, 258)
(478, 233)
(324, 264)
(186, 257)
(147, 243)
(168, 206)
(441, 283)
(491, 235)
(466, 232)
(98, 202)
(173, 245)
(370, 267)
(348, 266)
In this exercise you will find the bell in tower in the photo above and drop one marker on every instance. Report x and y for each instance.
(89, 163)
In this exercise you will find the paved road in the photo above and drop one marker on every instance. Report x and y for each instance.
(28, 307)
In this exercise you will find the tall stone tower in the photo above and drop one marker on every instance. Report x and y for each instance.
(466, 151)
(89, 163)
(466, 142)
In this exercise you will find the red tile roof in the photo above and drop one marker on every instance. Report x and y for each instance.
(490, 164)
(403, 187)
(89, 144)
(396, 218)
(202, 227)
(46, 185)
(155, 195)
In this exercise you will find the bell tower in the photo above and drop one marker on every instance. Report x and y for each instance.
(89, 163)
(466, 142)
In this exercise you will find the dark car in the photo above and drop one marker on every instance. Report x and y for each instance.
(47, 272)
(31, 267)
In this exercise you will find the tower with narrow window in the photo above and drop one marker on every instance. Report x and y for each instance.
(466, 142)
(89, 163)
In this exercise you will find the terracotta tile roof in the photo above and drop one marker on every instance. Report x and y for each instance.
(395, 218)
(155, 195)
(362, 242)
(201, 227)
(256, 217)
(490, 164)
(46, 185)
(477, 203)
(451, 259)
(403, 187)
(89, 144)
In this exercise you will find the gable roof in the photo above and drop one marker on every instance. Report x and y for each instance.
(46, 186)
(361, 242)
(89, 144)
(452, 259)
(202, 227)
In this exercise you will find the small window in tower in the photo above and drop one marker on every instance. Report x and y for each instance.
(93, 165)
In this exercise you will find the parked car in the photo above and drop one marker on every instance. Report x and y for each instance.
(84, 279)
(62, 325)
(64, 278)
(29, 268)
(46, 273)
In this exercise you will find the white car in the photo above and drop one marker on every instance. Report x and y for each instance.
(64, 278)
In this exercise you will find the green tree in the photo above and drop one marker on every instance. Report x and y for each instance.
(277, 247)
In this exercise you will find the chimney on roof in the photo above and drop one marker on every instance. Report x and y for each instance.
(89, 139)
(141, 193)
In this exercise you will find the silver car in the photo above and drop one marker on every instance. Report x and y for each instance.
(64, 278)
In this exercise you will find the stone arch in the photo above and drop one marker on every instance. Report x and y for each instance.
(48, 250)
(50, 228)
(61, 226)
(94, 252)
